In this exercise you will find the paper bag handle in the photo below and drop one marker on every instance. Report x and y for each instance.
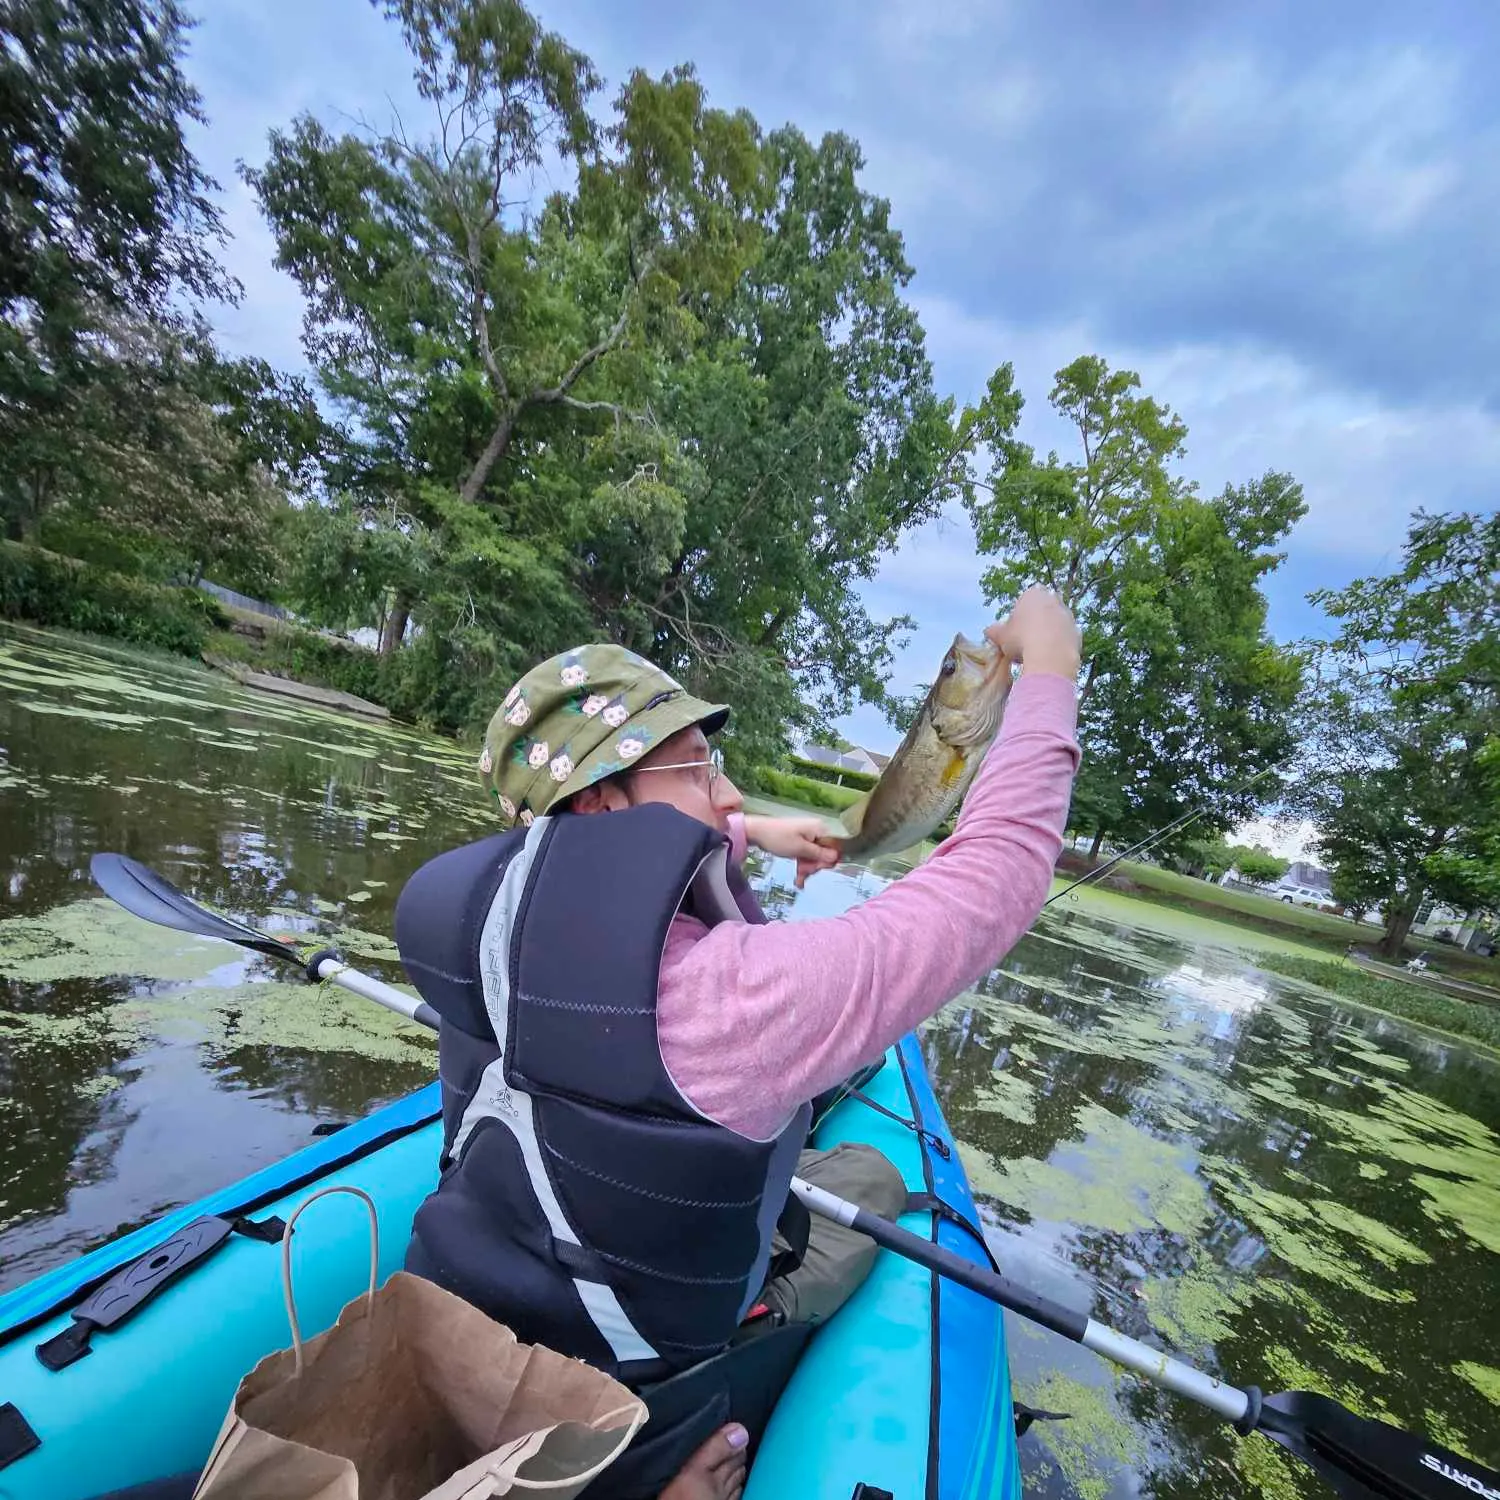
(286, 1257)
(477, 1481)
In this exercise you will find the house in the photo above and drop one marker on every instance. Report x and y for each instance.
(1464, 929)
(843, 760)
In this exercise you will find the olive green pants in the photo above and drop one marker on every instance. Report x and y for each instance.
(838, 1259)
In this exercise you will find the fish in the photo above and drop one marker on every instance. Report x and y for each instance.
(928, 776)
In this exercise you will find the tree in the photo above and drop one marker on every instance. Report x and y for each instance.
(1468, 874)
(1184, 697)
(158, 469)
(682, 404)
(1205, 858)
(105, 215)
(1256, 866)
(815, 441)
(1357, 889)
(1399, 774)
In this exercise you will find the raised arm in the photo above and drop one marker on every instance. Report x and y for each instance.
(755, 1020)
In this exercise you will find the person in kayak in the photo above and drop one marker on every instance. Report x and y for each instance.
(629, 1049)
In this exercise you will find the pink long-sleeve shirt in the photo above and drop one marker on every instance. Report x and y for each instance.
(755, 1020)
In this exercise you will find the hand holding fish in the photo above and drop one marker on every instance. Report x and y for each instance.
(957, 724)
(1039, 633)
(809, 841)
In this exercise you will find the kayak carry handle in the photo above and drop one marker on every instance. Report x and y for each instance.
(134, 1285)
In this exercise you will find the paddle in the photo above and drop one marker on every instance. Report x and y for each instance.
(1362, 1459)
(144, 893)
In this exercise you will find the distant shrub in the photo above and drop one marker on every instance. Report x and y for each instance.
(790, 787)
(817, 771)
(47, 589)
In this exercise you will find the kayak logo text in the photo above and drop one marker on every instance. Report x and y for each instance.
(1468, 1481)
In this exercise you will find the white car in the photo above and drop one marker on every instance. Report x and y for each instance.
(1305, 895)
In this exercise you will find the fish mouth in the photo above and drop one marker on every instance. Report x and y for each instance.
(984, 654)
(977, 722)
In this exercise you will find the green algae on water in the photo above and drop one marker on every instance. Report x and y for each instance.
(95, 939)
(1484, 1378)
(1299, 1232)
(1095, 1442)
(1117, 1177)
(1007, 1094)
(1270, 1471)
(294, 1017)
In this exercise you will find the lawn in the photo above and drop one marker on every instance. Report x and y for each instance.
(1307, 920)
(1320, 927)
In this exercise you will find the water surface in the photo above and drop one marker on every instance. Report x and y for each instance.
(1217, 1160)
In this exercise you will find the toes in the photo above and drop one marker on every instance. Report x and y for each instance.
(716, 1471)
(725, 1449)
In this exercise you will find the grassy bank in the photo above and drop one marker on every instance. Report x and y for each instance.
(1320, 929)
(43, 588)
(816, 796)
(1304, 922)
(1473, 1021)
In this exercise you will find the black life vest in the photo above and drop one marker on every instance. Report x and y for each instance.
(583, 1201)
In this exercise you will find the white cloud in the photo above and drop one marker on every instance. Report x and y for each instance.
(1365, 465)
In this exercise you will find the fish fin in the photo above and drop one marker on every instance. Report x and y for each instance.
(853, 817)
(955, 767)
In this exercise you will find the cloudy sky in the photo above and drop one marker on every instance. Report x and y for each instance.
(1285, 216)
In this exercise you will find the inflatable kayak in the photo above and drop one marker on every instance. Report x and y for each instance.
(118, 1368)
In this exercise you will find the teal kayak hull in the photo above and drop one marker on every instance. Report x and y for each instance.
(907, 1389)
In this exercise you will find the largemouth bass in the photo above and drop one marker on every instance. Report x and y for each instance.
(930, 773)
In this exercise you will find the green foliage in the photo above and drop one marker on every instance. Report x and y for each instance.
(1399, 772)
(50, 590)
(862, 780)
(1202, 856)
(684, 406)
(1184, 694)
(1472, 1020)
(1257, 866)
(790, 787)
(105, 218)
(1356, 889)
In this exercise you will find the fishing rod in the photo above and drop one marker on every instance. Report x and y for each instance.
(1150, 841)
(1360, 1458)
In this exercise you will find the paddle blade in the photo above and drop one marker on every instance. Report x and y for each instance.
(144, 893)
(1367, 1460)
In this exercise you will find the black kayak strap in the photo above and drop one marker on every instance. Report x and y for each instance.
(930, 1203)
(937, 1143)
(134, 1285)
(795, 1226)
(1026, 1415)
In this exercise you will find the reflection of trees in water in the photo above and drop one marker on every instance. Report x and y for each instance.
(1277, 1323)
(328, 1085)
(51, 1099)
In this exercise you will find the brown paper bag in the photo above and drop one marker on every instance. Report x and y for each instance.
(415, 1395)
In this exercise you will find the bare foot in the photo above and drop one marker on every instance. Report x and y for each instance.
(716, 1471)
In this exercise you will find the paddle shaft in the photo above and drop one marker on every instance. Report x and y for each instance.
(1227, 1400)
(331, 969)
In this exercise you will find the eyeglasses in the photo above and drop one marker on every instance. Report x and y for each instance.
(715, 764)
